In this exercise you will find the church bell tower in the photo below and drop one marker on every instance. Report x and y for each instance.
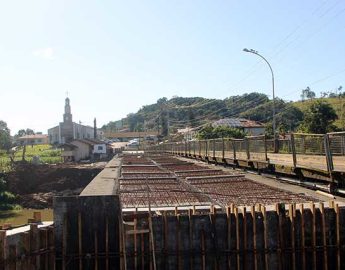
(67, 117)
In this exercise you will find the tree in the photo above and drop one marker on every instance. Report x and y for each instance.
(210, 132)
(307, 93)
(289, 119)
(23, 132)
(319, 118)
(5, 137)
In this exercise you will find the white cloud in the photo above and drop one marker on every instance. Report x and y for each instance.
(45, 53)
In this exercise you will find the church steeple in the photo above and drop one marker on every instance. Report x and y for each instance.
(67, 117)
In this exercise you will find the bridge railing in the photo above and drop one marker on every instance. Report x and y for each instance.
(310, 151)
(257, 148)
(337, 150)
(325, 152)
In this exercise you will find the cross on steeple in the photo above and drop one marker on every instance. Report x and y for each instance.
(66, 93)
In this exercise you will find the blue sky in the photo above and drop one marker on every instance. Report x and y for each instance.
(115, 56)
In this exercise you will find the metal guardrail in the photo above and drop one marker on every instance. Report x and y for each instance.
(322, 152)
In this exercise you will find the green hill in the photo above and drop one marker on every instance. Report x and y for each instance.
(180, 112)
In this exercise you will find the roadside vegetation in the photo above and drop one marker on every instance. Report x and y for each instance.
(7, 199)
(180, 112)
(45, 153)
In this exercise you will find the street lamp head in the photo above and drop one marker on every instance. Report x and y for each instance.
(250, 50)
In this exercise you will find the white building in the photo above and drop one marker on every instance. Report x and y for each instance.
(68, 130)
(252, 128)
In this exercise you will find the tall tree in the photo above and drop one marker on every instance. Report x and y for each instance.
(5, 137)
(319, 118)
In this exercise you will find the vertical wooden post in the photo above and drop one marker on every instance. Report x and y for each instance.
(244, 237)
(252, 210)
(339, 264)
(165, 228)
(312, 208)
(322, 210)
(280, 235)
(223, 149)
(237, 238)
(263, 210)
(191, 246)
(80, 248)
(64, 241)
(106, 243)
(12, 254)
(2, 249)
(301, 208)
(292, 214)
(96, 250)
(178, 242)
(34, 244)
(203, 249)
(135, 239)
(228, 218)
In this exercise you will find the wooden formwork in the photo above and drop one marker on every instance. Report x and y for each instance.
(27, 248)
(304, 236)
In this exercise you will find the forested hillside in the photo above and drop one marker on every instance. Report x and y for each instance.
(180, 112)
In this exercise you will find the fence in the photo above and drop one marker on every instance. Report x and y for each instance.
(29, 247)
(298, 237)
(320, 152)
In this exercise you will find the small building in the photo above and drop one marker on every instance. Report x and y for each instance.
(252, 128)
(127, 136)
(33, 139)
(85, 149)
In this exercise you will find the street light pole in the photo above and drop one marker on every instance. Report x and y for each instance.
(274, 107)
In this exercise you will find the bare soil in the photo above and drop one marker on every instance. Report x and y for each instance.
(36, 185)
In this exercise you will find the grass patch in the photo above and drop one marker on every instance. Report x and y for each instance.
(45, 152)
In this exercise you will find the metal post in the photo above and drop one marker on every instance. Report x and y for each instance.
(328, 153)
(247, 148)
(214, 148)
(265, 146)
(293, 149)
(273, 96)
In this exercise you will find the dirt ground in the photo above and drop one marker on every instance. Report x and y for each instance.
(36, 185)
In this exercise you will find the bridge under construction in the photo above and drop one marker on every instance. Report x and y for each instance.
(163, 209)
